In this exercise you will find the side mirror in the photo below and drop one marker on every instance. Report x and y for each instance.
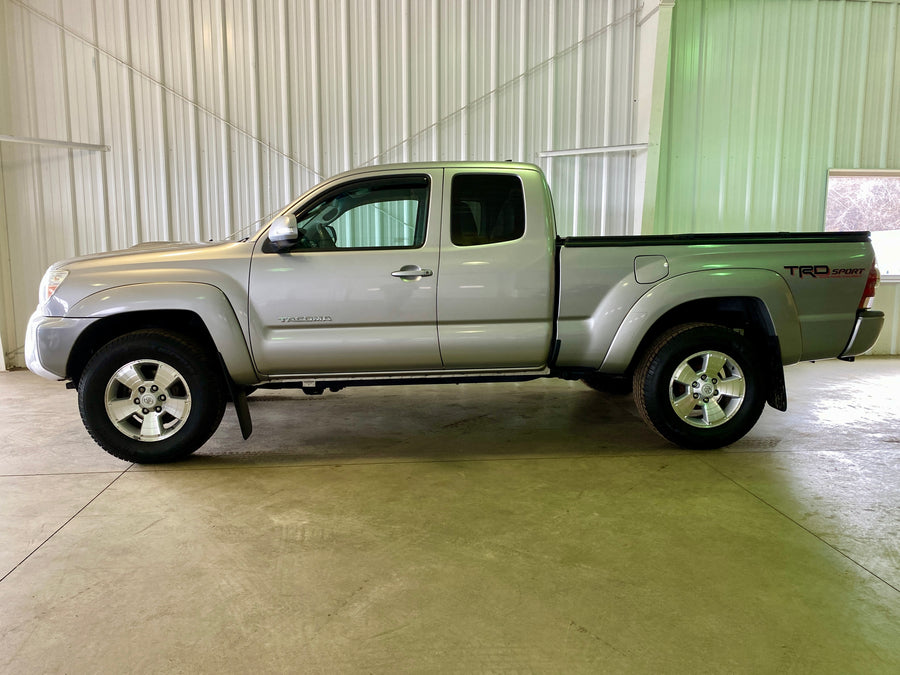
(283, 231)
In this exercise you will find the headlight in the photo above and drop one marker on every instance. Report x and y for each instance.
(51, 281)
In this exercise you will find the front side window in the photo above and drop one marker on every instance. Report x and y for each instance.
(486, 209)
(379, 213)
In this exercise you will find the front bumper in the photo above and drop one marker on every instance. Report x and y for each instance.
(865, 333)
(49, 341)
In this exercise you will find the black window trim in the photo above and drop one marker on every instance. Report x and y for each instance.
(383, 181)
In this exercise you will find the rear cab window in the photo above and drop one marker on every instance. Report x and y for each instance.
(486, 209)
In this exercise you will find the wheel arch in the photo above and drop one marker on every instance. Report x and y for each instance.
(198, 311)
(746, 315)
(107, 329)
(754, 301)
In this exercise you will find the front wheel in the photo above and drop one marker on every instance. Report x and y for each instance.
(151, 396)
(700, 386)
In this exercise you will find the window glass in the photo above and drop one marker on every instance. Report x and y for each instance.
(486, 209)
(861, 200)
(383, 213)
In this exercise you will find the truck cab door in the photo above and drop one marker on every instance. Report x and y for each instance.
(497, 290)
(356, 291)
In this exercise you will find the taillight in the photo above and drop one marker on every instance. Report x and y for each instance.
(865, 302)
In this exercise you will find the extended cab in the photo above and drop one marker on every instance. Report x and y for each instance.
(452, 272)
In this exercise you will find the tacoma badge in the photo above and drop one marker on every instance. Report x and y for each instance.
(303, 319)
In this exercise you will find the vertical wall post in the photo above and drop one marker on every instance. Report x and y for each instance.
(6, 309)
(660, 79)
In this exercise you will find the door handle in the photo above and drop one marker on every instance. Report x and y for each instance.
(410, 272)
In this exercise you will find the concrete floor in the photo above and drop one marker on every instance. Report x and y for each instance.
(538, 527)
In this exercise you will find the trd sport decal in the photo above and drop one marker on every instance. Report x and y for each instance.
(820, 271)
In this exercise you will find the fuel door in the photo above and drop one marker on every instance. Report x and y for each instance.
(648, 269)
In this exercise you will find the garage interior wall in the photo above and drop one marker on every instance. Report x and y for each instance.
(6, 304)
(197, 119)
(763, 99)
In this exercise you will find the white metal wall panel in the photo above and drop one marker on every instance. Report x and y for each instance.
(887, 300)
(593, 77)
(217, 112)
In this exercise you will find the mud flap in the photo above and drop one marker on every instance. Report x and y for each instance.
(239, 398)
(776, 396)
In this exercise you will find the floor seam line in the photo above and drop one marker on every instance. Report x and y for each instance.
(60, 528)
(57, 473)
(803, 527)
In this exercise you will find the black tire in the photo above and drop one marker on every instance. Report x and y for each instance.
(700, 386)
(166, 393)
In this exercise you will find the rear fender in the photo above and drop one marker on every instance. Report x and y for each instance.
(764, 285)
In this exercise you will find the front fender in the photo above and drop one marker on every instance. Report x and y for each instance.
(765, 285)
(204, 300)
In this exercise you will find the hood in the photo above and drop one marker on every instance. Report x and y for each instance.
(138, 249)
(223, 265)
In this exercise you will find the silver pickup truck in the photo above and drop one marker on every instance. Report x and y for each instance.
(450, 272)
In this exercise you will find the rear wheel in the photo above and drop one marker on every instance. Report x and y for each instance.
(700, 386)
(151, 396)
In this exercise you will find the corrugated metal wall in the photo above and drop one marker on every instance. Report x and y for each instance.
(763, 99)
(216, 112)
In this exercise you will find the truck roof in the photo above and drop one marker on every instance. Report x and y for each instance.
(487, 165)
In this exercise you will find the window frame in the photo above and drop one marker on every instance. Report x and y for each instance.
(411, 180)
(889, 273)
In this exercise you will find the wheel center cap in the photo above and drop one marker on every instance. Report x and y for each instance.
(707, 389)
(148, 400)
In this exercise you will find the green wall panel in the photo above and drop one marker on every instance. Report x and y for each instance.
(762, 99)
